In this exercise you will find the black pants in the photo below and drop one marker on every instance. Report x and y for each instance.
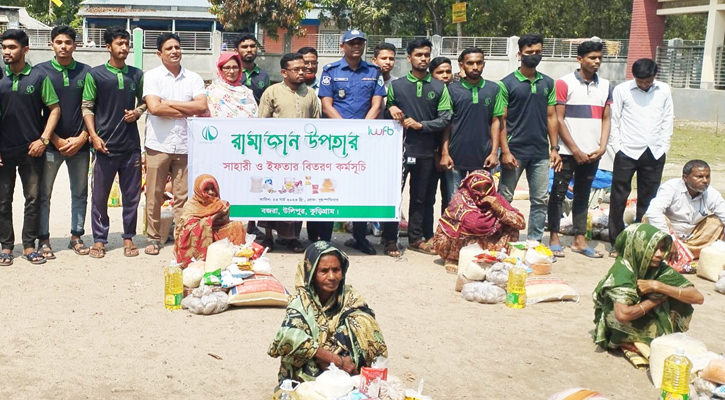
(30, 170)
(649, 175)
(319, 231)
(422, 200)
(105, 167)
(584, 175)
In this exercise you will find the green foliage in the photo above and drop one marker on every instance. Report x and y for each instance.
(271, 14)
(688, 27)
(38, 9)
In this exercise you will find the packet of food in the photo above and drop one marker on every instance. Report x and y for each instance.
(368, 375)
(213, 278)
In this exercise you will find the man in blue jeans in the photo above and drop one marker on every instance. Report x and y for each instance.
(529, 98)
(69, 142)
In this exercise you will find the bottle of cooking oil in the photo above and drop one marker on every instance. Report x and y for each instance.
(516, 288)
(588, 235)
(173, 286)
(114, 198)
(676, 377)
(285, 392)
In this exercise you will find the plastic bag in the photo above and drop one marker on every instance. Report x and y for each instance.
(262, 266)
(538, 254)
(193, 277)
(219, 255)
(212, 278)
(203, 301)
(334, 382)
(720, 284)
(392, 389)
(483, 292)
(474, 271)
(498, 274)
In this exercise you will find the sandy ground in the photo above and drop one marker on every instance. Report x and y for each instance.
(78, 328)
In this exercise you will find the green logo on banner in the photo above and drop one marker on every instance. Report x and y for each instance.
(30, 89)
(209, 133)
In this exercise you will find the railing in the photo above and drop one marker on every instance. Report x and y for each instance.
(720, 68)
(190, 40)
(94, 35)
(566, 48)
(491, 46)
(38, 37)
(228, 39)
(680, 67)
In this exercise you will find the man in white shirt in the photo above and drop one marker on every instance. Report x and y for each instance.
(172, 94)
(642, 123)
(689, 208)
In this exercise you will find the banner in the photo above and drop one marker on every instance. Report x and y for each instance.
(278, 169)
(459, 12)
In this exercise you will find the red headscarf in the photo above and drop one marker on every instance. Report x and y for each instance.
(223, 59)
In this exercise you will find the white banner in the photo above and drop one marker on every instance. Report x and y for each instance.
(277, 169)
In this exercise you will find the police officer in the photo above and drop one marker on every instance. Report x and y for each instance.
(350, 89)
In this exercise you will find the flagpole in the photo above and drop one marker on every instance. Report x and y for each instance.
(50, 7)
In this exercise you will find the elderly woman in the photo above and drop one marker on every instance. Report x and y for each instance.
(476, 214)
(327, 322)
(226, 96)
(641, 297)
(204, 220)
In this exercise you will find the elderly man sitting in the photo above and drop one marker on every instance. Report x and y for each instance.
(689, 208)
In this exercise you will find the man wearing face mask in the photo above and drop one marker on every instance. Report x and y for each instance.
(689, 208)
(642, 124)
(529, 139)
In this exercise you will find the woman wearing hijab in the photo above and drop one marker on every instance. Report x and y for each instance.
(226, 96)
(327, 322)
(476, 214)
(641, 297)
(204, 220)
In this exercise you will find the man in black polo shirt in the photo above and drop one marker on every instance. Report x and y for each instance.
(111, 92)
(423, 107)
(69, 143)
(471, 143)
(24, 136)
(529, 97)
(246, 45)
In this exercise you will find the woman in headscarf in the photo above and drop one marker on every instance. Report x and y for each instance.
(327, 321)
(226, 96)
(641, 297)
(204, 220)
(476, 214)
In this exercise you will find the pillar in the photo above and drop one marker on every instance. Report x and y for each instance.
(138, 48)
(713, 39)
(646, 32)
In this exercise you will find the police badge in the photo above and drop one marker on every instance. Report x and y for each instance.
(341, 93)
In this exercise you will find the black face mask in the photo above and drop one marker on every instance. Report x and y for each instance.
(531, 61)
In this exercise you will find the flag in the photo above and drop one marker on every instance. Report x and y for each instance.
(58, 3)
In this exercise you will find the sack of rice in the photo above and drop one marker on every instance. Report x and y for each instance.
(665, 346)
(578, 394)
(712, 259)
(548, 288)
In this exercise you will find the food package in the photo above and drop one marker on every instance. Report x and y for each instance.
(483, 292)
(203, 301)
(474, 271)
(712, 259)
(685, 257)
(578, 394)
(392, 389)
(212, 278)
(230, 279)
(548, 288)
(517, 249)
(371, 376)
(715, 371)
(664, 346)
(498, 274)
(703, 389)
(538, 254)
(306, 391)
(334, 382)
(720, 284)
(219, 255)
(719, 392)
(461, 281)
(259, 290)
(193, 276)
(467, 254)
(262, 266)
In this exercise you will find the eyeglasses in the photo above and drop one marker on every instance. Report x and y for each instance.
(297, 70)
(229, 69)
(311, 63)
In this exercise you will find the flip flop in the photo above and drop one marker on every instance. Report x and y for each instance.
(421, 246)
(130, 251)
(153, 248)
(79, 247)
(365, 247)
(391, 249)
(97, 251)
(47, 251)
(35, 258)
(589, 252)
(6, 259)
(557, 250)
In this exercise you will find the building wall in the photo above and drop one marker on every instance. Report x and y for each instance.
(646, 32)
(277, 46)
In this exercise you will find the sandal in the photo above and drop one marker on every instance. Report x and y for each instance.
(364, 247)
(79, 247)
(97, 251)
(451, 267)
(421, 246)
(131, 251)
(6, 259)
(557, 250)
(613, 254)
(391, 249)
(34, 258)
(294, 245)
(589, 252)
(152, 248)
(47, 251)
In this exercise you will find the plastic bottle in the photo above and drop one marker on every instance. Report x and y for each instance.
(516, 288)
(676, 377)
(173, 286)
(285, 392)
(588, 235)
(114, 198)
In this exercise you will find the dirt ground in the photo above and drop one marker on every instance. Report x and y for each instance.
(78, 328)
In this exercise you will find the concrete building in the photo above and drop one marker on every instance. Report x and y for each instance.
(18, 18)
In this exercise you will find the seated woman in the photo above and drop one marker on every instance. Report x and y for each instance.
(203, 221)
(641, 297)
(226, 96)
(327, 322)
(476, 214)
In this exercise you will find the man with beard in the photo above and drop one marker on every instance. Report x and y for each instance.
(471, 142)
(423, 107)
(582, 107)
(689, 208)
(350, 89)
(309, 57)
(529, 98)
(24, 135)
(246, 45)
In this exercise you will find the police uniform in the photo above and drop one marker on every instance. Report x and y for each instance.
(351, 90)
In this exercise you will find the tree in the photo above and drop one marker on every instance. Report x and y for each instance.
(38, 9)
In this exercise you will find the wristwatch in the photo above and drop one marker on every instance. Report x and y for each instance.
(45, 141)
(555, 148)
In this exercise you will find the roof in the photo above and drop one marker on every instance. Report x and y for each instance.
(128, 13)
(29, 22)
(148, 3)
